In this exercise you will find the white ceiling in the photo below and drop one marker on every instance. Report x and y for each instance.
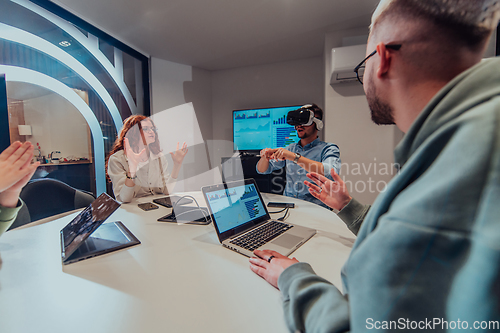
(221, 34)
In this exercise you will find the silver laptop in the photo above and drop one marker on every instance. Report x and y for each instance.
(86, 236)
(243, 224)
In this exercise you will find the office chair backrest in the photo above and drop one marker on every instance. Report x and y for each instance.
(47, 197)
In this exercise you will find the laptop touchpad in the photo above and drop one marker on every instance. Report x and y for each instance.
(288, 241)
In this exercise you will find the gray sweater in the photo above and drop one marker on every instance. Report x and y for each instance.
(428, 250)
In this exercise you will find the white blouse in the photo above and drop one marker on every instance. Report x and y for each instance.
(150, 179)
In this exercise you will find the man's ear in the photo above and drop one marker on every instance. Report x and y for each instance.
(385, 60)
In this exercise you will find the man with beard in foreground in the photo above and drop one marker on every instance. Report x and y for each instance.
(427, 255)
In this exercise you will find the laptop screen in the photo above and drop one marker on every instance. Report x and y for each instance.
(84, 224)
(234, 206)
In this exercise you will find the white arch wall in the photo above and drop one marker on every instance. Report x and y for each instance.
(91, 43)
(18, 74)
(25, 38)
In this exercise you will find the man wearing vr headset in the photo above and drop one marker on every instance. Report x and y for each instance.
(308, 155)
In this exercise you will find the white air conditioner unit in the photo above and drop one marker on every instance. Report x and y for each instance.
(344, 59)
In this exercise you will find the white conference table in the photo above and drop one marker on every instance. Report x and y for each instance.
(180, 279)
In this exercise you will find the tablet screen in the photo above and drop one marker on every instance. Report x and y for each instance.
(80, 228)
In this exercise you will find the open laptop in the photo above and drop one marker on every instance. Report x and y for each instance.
(243, 224)
(86, 236)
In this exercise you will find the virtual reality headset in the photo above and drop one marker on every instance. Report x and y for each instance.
(303, 117)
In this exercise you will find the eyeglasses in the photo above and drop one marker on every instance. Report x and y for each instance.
(147, 129)
(361, 65)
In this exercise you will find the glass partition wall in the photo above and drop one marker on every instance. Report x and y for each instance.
(67, 87)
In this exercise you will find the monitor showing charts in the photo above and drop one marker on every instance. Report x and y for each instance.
(235, 206)
(256, 129)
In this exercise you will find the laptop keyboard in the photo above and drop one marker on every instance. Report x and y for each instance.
(260, 236)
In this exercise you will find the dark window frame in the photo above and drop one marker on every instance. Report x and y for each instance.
(4, 115)
(498, 41)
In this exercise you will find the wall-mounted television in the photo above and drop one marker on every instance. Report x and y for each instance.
(256, 129)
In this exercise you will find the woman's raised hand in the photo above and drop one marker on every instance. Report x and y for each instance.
(179, 154)
(134, 158)
(16, 170)
(15, 166)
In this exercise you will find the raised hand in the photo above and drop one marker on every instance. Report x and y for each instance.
(15, 165)
(15, 171)
(179, 154)
(270, 269)
(333, 193)
(134, 158)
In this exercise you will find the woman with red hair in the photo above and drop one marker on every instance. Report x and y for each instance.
(136, 166)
